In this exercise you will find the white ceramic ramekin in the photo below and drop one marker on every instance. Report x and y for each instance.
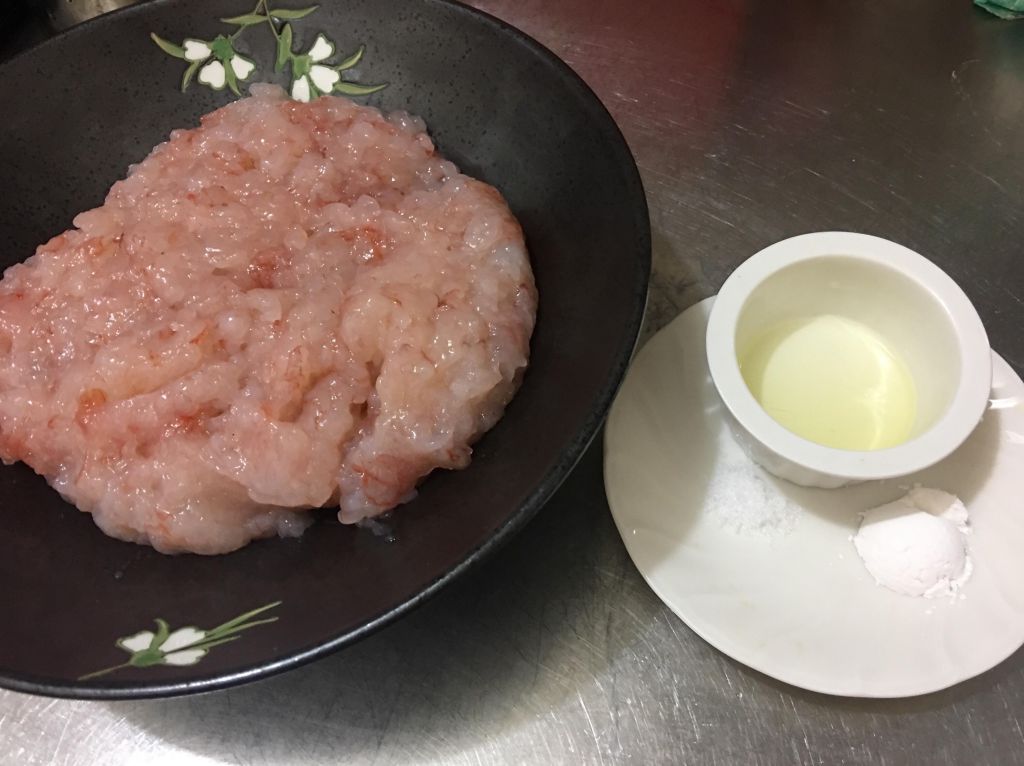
(922, 313)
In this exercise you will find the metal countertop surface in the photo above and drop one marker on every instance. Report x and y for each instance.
(750, 121)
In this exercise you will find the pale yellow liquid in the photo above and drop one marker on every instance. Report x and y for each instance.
(833, 381)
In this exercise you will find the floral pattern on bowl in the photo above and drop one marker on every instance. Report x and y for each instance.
(184, 646)
(218, 63)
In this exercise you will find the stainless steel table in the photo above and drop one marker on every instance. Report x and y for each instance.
(750, 121)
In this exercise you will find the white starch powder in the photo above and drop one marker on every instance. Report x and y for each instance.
(917, 545)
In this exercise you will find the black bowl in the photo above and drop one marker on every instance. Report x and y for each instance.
(81, 107)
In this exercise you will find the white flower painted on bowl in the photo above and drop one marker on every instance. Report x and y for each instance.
(184, 646)
(322, 48)
(216, 64)
(196, 50)
(182, 638)
(138, 642)
(311, 76)
(301, 90)
(175, 647)
(214, 75)
(216, 60)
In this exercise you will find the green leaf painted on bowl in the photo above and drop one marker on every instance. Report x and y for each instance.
(355, 89)
(245, 20)
(285, 13)
(168, 47)
(190, 72)
(284, 48)
(352, 60)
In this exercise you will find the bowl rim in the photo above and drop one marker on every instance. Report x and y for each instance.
(633, 193)
(971, 393)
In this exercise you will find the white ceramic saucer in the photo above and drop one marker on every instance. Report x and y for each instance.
(765, 571)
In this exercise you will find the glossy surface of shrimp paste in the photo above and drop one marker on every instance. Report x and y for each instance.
(291, 306)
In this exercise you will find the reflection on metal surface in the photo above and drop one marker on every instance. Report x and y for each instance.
(67, 13)
(750, 121)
